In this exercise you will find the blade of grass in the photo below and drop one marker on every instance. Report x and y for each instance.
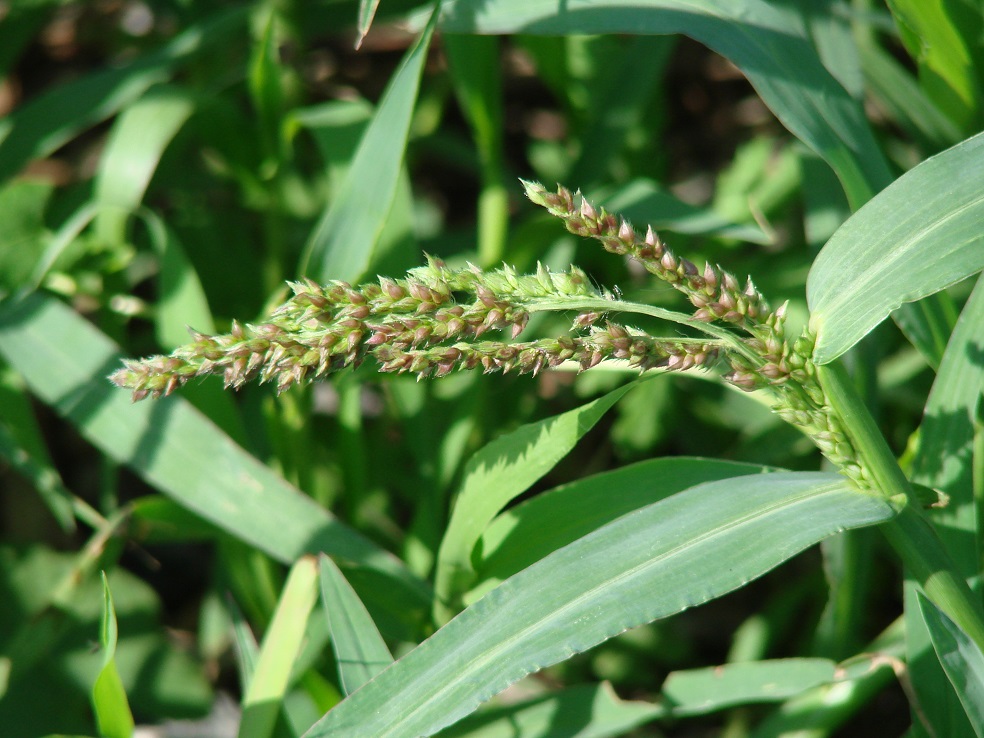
(343, 243)
(919, 235)
(109, 700)
(526, 533)
(907, 104)
(359, 649)
(646, 565)
(962, 660)
(762, 39)
(700, 691)
(495, 476)
(281, 645)
(946, 62)
(944, 461)
(132, 154)
(474, 64)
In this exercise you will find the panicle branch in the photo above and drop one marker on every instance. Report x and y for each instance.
(428, 323)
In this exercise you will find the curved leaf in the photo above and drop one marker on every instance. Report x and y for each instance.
(343, 242)
(962, 660)
(920, 235)
(657, 561)
(495, 476)
(764, 40)
(524, 534)
(360, 650)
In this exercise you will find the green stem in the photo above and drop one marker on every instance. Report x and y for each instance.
(603, 305)
(910, 533)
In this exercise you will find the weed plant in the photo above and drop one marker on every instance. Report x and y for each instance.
(761, 395)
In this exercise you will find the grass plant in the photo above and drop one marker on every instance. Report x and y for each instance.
(765, 401)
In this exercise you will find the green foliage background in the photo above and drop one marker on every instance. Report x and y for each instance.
(171, 164)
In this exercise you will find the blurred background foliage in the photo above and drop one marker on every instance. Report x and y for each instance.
(168, 163)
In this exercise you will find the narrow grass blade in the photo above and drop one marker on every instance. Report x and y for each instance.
(280, 648)
(38, 128)
(648, 564)
(64, 361)
(962, 660)
(109, 700)
(495, 476)
(893, 86)
(918, 236)
(367, 11)
(360, 651)
(700, 691)
(583, 711)
(946, 59)
(944, 460)
(343, 242)
(526, 533)
(474, 62)
(182, 303)
(762, 39)
(132, 153)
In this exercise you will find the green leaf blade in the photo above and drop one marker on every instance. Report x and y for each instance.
(496, 475)
(279, 650)
(360, 650)
(109, 700)
(634, 570)
(961, 659)
(762, 39)
(920, 235)
(343, 243)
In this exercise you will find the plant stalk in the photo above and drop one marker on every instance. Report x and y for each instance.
(910, 533)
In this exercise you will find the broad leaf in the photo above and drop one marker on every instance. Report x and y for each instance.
(524, 534)
(657, 561)
(920, 235)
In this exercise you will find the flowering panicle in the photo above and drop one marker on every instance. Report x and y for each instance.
(435, 320)
(427, 323)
